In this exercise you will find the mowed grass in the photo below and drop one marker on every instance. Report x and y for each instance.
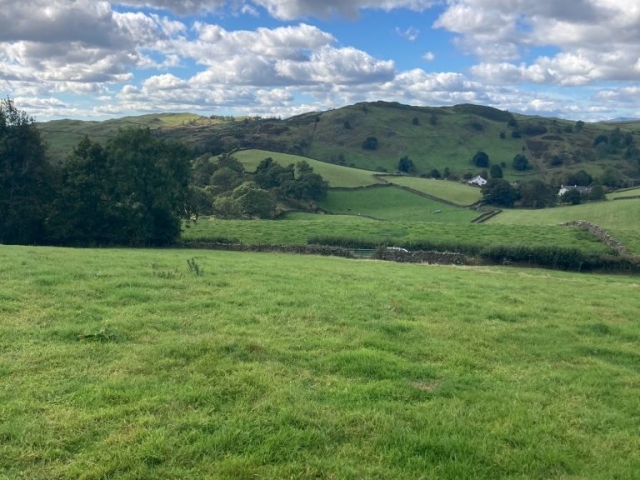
(391, 203)
(336, 175)
(297, 228)
(455, 192)
(123, 364)
(620, 218)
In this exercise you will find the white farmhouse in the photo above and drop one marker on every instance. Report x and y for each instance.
(479, 181)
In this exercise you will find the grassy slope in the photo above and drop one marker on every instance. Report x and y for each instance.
(336, 175)
(122, 364)
(629, 192)
(298, 228)
(455, 192)
(451, 143)
(621, 218)
(391, 203)
(459, 133)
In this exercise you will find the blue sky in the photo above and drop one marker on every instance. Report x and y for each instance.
(95, 59)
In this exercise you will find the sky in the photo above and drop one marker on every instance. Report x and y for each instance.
(92, 59)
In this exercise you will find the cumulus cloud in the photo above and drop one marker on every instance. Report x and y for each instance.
(596, 40)
(410, 33)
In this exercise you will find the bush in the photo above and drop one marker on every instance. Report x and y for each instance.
(370, 143)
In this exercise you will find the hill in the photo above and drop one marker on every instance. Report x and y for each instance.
(444, 137)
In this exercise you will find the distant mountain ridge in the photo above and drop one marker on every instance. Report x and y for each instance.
(376, 135)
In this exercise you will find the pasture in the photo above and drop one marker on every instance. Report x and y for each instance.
(297, 228)
(336, 175)
(621, 218)
(127, 364)
(455, 192)
(392, 203)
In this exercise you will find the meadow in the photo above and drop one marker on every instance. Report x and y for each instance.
(620, 218)
(297, 228)
(454, 192)
(336, 175)
(392, 203)
(128, 364)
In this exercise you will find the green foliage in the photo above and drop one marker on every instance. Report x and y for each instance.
(597, 193)
(194, 267)
(536, 194)
(370, 143)
(579, 178)
(496, 171)
(134, 191)
(481, 160)
(520, 163)
(26, 178)
(498, 191)
(406, 165)
(415, 121)
(574, 197)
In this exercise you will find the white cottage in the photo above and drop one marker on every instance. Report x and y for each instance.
(479, 181)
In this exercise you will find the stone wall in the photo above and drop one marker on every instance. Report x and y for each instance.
(601, 234)
(436, 258)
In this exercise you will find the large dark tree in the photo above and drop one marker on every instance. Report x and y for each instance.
(536, 194)
(406, 165)
(499, 192)
(481, 160)
(26, 178)
(134, 191)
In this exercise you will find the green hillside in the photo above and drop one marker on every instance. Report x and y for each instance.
(391, 203)
(455, 192)
(444, 137)
(621, 218)
(336, 175)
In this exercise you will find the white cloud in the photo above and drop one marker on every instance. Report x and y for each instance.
(429, 56)
(410, 33)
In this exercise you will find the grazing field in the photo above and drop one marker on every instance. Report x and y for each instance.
(628, 192)
(125, 364)
(296, 229)
(455, 192)
(620, 218)
(392, 203)
(336, 175)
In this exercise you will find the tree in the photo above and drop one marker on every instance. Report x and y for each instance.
(415, 121)
(370, 143)
(496, 171)
(406, 165)
(498, 191)
(148, 180)
(481, 160)
(580, 178)
(536, 194)
(435, 173)
(572, 196)
(26, 178)
(521, 163)
(579, 125)
(597, 193)
(252, 201)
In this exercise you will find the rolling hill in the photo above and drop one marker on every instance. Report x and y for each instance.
(444, 137)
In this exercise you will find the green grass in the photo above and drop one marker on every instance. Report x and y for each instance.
(627, 192)
(123, 364)
(296, 229)
(620, 218)
(455, 192)
(336, 175)
(391, 203)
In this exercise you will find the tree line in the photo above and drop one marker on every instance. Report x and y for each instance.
(134, 190)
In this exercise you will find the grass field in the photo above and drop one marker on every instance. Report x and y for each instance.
(336, 175)
(296, 229)
(455, 192)
(124, 364)
(628, 192)
(391, 203)
(620, 218)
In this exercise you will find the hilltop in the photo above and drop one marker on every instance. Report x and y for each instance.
(432, 137)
